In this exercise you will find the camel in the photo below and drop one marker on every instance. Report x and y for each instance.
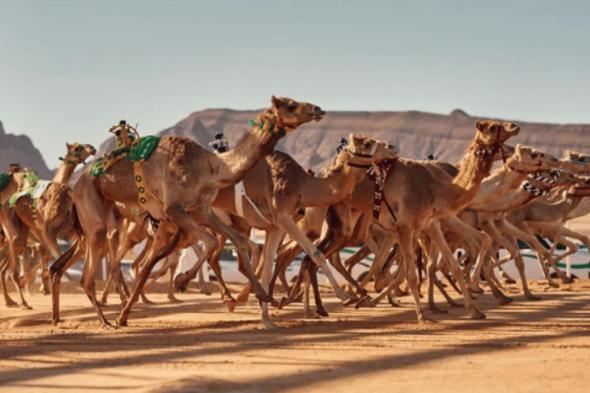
(348, 227)
(279, 188)
(183, 182)
(417, 200)
(16, 179)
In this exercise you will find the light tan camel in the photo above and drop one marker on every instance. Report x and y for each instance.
(418, 200)
(181, 182)
(14, 232)
(279, 188)
(348, 227)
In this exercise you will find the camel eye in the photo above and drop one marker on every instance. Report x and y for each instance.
(291, 106)
(534, 155)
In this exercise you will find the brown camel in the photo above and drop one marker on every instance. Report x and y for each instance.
(14, 233)
(181, 182)
(278, 188)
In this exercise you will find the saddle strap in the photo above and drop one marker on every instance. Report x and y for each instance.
(144, 194)
(239, 193)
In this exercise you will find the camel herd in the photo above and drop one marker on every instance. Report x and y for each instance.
(446, 221)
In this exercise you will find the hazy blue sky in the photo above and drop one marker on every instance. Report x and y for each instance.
(70, 69)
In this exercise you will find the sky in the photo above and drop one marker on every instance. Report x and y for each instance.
(71, 69)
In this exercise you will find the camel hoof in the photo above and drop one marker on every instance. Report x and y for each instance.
(530, 296)
(231, 305)
(11, 304)
(453, 303)
(283, 302)
(108, 326)
(477, 290)
(173, 299)
(504, 300)
(25, 306)
(553, 284)
(56, 322)
(342, 295)
(476, 314)
(181, 282)
(121, 322)
(365, 301)
(422, 320)
(269, 325)
(145, 300)
(509, 280)
(436, 310)
(320, 312)
(567, 280)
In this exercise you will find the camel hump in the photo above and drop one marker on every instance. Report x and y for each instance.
(281, 163)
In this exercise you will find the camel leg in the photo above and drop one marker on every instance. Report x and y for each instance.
(436, 235)
(3, 271)
(226, 295)
(431, 282)
(163, 244)
(271, 245)
(510, 232)
(243, 248)
(170, 293)
(59, 267)
(310, 249)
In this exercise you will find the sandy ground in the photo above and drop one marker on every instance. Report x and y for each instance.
(196, 346)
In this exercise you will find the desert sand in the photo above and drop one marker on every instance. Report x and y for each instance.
(197, 346)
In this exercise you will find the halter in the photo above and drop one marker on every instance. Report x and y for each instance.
(275, 123)
(75, 160)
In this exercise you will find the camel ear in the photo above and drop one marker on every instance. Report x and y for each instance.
(511, 128)
(68, 146)
(274, 101)
(481, 125)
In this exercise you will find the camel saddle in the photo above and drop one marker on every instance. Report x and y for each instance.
(33, 188)
(137, 152)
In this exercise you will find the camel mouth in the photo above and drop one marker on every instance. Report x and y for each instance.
(318, 114)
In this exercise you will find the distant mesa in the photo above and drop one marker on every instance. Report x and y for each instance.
(459, 112)
(417, 134)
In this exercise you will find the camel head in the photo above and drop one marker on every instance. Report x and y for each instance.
(77, 153)
(576, 162)
(364, 151)
(529, 159)
(492, 134)
(290, 114)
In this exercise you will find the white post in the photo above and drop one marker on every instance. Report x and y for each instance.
(568, 259)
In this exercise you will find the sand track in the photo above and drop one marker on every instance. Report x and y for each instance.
(196, 346)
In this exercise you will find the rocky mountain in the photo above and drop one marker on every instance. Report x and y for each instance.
(20, 149)
(417, 134)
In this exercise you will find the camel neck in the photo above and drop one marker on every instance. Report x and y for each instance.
(255, 145)
(500, 182)
(474, 168)
(64, 173)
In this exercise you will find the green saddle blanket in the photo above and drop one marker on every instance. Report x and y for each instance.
(4, 180)
(142, 151)
(34, 192)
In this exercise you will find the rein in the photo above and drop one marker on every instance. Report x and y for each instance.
(379, 175)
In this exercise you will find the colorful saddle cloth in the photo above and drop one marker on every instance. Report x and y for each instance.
(34, 192)
(141, 151)
(4, 180)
